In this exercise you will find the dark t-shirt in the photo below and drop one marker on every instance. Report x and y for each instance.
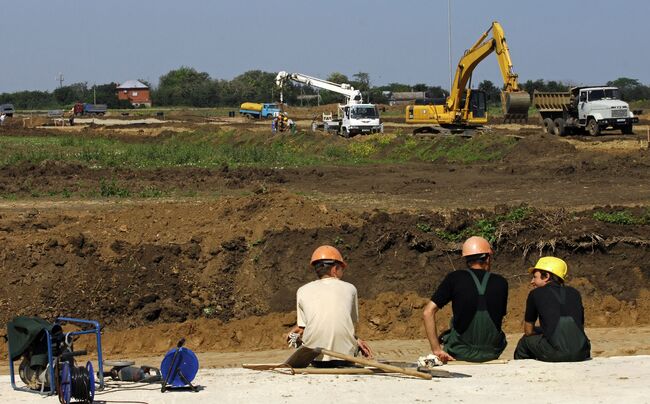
(459, 288)
(542, 303)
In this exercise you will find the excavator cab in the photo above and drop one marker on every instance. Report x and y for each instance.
(478, 104)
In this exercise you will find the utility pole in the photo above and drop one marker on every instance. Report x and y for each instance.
(60, 80)
(449, 27)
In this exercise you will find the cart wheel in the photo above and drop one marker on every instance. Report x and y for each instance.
(91, 380)
(65, 384)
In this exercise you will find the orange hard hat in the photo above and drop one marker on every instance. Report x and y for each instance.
(329, 253)
(476, 245)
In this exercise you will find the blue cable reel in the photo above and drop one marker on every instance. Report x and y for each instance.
(77, 383)
(178, 368)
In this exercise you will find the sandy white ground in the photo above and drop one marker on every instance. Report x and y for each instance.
(622, 379)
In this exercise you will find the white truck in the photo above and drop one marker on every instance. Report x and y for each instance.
(591, 109)
(353, 117)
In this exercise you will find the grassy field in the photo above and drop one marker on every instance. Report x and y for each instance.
(209, 148)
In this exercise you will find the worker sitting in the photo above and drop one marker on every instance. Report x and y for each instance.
(478, 299)
(561, 336)
(327, 310)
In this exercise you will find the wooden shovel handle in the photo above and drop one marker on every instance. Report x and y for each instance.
(378, 365)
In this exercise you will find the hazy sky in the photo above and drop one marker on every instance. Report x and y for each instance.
(406, 41)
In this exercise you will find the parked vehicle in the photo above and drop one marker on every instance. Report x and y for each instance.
(466, 108)
(89, 109)
(7, 109)
(256, 110)
(353, 117)
(591, 109)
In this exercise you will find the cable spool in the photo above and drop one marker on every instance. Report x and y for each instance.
(77, 383)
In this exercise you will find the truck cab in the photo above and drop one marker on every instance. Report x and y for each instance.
(599, 108)
(7, 109)
(360, 119)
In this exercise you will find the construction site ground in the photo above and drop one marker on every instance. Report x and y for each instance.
(221, 267)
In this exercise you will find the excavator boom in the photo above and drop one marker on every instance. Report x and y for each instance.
(466, 107)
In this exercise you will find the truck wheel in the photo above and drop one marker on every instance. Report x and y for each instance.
(627, 130)
(558, 127)
(593, 128)
(547, 125)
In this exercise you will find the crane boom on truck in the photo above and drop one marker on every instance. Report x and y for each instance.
(466, 107)
(353, 117)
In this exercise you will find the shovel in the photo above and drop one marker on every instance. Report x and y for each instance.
(368, 362)
(301, 358)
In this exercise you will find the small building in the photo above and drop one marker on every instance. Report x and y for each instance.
(134, 91)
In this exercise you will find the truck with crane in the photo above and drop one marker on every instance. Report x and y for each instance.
(466, 108)
(353, 117)
(591, 109)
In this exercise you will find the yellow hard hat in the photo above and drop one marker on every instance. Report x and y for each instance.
(476, 245)
(328, 253)
(551, 264)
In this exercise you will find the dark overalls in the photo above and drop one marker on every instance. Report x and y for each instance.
(481, 341)
(568, 343)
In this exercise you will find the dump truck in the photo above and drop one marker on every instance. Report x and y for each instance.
(257, 110)
(89, 109)
(591, 109)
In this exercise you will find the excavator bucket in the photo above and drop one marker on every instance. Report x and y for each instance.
(515, 106)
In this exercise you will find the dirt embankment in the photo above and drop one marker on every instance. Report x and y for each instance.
(228, 269)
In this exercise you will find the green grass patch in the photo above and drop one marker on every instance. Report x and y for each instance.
(486, 227)
(624, 217)
(209, 148)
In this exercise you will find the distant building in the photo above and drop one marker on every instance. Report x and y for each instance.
(135, 92)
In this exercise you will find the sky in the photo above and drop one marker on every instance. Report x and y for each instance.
(581, 42)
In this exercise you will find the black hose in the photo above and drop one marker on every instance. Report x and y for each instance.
(80, 384)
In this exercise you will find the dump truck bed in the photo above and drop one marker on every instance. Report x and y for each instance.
(551, 101)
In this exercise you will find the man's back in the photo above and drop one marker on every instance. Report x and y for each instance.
(327, 308)
(459, 288)
(544, 304)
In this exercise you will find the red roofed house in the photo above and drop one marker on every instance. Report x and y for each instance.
(135, 92)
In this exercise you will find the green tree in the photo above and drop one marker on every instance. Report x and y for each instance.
(186, 86)
(338, 78)
(491, 91)
(68, 95)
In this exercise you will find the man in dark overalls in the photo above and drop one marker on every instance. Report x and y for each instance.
(561, 336)
(479, 301)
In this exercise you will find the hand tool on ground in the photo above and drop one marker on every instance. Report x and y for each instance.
(369, 362)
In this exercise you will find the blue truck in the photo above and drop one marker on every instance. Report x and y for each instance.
(89, 109)
(257, 110)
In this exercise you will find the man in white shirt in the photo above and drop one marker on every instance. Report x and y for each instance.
(327, 309)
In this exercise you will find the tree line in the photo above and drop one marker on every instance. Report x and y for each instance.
(188, 87)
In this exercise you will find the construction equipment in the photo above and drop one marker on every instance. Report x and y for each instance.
(593, 109)
(179, 367)
(353, 117)
(48, 358)
(466, 107)
(257, 110)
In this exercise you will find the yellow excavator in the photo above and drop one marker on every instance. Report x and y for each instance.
(465, 108)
